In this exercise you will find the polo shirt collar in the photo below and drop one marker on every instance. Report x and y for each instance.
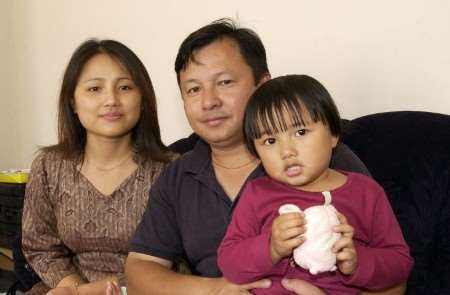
(200, 158)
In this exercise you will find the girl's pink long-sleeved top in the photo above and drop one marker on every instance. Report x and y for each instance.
(383, 255)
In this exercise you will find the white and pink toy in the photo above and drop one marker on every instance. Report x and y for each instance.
(315, 253)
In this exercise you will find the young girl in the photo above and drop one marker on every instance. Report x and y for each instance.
(292, 125)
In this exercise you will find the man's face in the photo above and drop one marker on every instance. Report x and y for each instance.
(215, 87)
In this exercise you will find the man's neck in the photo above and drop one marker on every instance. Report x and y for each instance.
(231, 156)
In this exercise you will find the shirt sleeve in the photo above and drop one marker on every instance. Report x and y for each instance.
(244, 254)
(385, 261)
(41, 244)
(158, 232)
(344, 158)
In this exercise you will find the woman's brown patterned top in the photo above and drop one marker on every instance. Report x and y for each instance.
(70, 227)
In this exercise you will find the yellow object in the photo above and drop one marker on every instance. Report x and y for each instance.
(14, 176)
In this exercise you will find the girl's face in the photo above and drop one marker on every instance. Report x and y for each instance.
(298, 156)
(106, 100)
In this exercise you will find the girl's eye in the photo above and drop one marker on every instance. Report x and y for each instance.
(269, 141)
(93, 89)
(300, 132)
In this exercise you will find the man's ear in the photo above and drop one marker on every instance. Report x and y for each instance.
(266, 77)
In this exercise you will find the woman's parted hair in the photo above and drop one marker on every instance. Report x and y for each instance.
(72, 135)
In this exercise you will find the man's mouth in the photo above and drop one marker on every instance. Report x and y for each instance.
(215, 121)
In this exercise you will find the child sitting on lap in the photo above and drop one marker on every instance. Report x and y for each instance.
(292, 124)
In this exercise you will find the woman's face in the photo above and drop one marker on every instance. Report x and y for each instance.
(106, 100)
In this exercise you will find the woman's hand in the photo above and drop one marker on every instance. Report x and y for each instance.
(346, 256)
(63, 291)
(112, 288)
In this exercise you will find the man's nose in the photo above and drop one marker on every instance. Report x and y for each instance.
(211, 98)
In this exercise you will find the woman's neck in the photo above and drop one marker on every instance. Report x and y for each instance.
(106, 152)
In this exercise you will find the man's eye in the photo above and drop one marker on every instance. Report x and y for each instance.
(269, 141)
(193, 90)
(300, 132)
(225, 82)
(93, 89)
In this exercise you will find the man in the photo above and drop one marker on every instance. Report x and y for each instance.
(218, 68)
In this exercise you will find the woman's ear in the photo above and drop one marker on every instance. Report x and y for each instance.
(72, 104)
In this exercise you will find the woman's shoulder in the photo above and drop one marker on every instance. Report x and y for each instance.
(152, 166)
(50, 160)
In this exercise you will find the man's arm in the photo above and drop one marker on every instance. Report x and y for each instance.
(152, 275)
(396, 290)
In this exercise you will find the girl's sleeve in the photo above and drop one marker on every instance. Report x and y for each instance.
(41, 243)
(244, 254)
(385, 261)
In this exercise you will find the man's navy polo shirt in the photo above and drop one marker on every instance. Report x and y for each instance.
(188, 211)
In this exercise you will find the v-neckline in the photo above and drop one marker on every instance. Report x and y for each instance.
(116, 189)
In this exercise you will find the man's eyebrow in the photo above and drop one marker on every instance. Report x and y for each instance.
(196, 80)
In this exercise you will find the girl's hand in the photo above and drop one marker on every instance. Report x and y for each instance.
(286, 231)
(346, 256)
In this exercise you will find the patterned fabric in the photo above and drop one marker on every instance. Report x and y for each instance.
(70, 227)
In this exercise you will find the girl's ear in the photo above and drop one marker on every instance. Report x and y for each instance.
(334, 140)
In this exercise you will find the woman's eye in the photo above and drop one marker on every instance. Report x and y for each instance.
(269, 141)
(125, 87)
(300, 132)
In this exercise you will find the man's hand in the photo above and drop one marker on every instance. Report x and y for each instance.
(224, 287)
(346, 256)
(286, 231)
(301, 287)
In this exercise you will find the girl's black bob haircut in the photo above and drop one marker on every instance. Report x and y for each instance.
(294, 94)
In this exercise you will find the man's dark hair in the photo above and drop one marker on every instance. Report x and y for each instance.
(250, 45)
(291, 93)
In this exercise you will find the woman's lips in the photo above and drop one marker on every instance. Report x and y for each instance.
(113, 116)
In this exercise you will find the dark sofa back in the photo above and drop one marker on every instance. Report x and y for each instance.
(408, 153)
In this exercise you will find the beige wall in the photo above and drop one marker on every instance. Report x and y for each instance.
(373, 56)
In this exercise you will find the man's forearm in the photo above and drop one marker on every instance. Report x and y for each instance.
(396, 290)
(148, 277)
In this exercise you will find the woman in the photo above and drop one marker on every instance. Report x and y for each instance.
(87, 193)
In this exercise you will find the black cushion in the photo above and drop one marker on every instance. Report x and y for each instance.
(408, 153)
